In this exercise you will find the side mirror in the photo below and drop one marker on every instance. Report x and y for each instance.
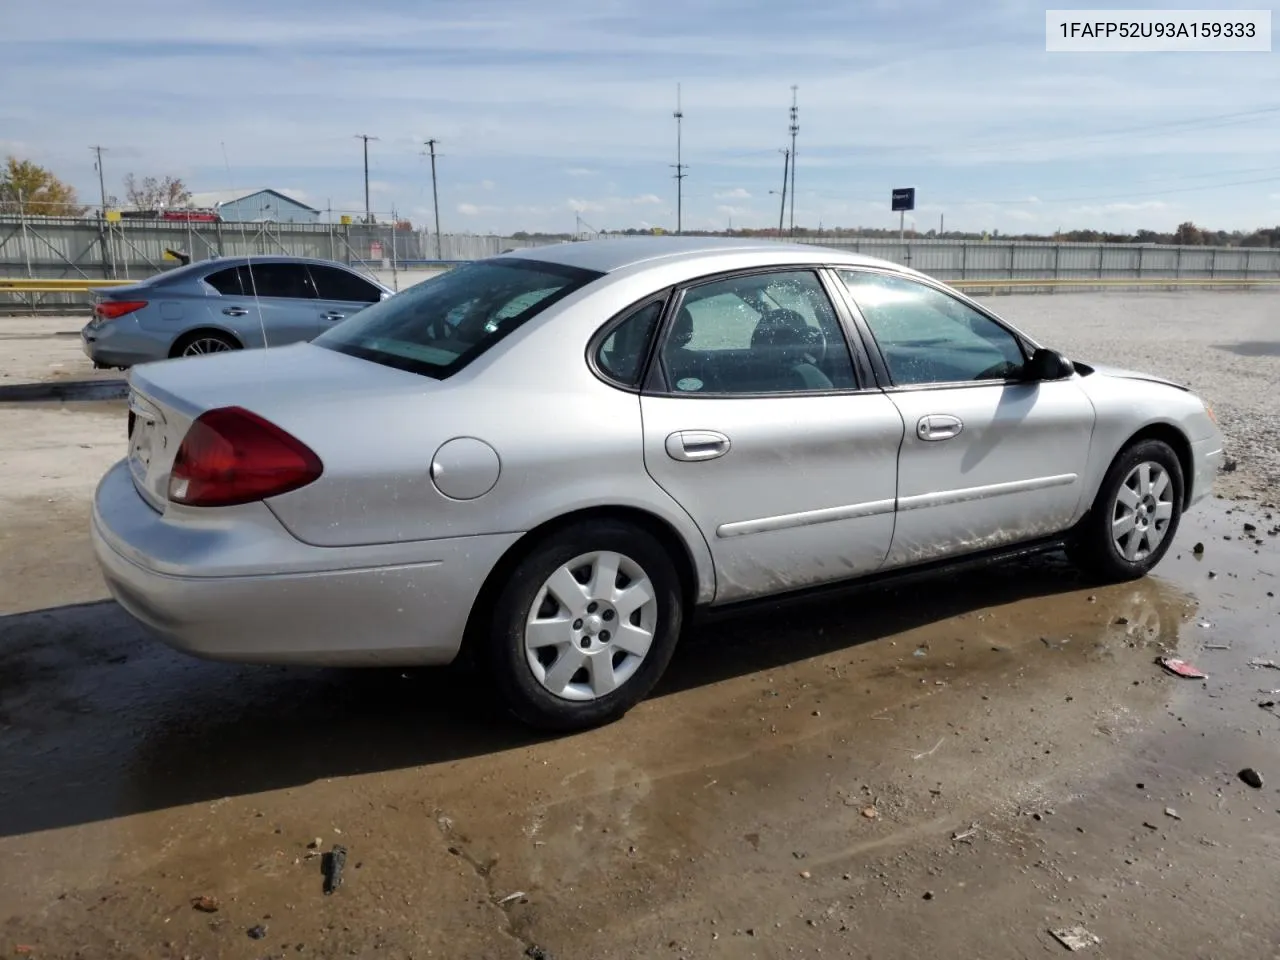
(1047, 364)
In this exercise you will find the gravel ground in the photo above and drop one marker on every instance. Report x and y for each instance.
(1224, 345)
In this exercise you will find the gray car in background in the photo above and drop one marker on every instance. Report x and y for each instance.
(223, 304)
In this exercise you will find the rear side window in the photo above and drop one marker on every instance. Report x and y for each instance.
(621, 356)
(232, 282)
(334, 283)
(285, 280)
(439, 326)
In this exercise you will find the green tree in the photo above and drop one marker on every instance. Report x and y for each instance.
(29, 188)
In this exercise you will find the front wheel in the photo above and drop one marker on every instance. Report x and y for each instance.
(584, 626)
(1134, 518)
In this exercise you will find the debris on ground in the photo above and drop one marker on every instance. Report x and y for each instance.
(1181, 668)
(534, 952)
(870, 812)
(1250, 528)
(1075, 938)
(258, 932)
(1122, 621)
(315, 844)
(24, 949)
(1198, 549)
(920, 652)
(512, 897)
(1217, 646)
(1172, 813)
(805, 874)
(966, 836)
(206, 904)
(929, 752)
(1252, 777)
(1259, 662)
(332, 866)
(928, 895)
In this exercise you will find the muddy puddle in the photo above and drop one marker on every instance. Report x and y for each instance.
(795, 786)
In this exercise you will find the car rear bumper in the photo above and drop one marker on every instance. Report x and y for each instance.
(108, 346)
(312, 605)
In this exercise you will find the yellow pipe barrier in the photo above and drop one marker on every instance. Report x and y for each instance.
(52, 285)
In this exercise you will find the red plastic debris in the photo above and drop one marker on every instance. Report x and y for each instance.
(1181, 668)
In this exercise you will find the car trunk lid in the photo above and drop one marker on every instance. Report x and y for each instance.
(167, 396)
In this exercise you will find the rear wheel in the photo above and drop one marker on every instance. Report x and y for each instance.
(585, 625)
(204, 342)
(1135, 516)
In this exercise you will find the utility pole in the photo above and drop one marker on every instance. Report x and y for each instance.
(435, 197)
(942, 224)
(795, 128)
(368, 218)
(782, 213)
(679, 165)
(102, 212)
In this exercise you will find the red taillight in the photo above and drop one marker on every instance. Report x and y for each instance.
(111, 309)
(232, 456)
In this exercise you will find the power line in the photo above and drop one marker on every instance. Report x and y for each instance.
(366, 138)
(679, 164)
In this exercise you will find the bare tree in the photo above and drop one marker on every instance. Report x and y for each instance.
(152, 193)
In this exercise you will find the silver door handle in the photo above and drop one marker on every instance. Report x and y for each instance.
(939, 426)
(235, 311)
(333, 315)
(693, 445)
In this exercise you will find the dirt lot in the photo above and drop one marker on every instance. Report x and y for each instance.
(956, 768)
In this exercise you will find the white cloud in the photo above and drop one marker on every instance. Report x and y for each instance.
(581, 172)
(486, 185)
(380, 186)
(475, 210)
(737, 193)
(646, 199)
(585, 206)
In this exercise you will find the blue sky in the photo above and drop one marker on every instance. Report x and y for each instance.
(548, 111)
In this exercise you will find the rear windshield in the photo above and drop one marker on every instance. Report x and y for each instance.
(440, 325)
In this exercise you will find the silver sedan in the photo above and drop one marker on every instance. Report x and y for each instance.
(549, 459)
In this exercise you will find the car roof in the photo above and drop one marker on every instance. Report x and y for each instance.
(617, 253)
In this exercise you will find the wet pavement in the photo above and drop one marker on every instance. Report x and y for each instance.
(793, 788)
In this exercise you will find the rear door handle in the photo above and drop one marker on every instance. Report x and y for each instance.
(333, 315)
(939, 426)
(235, 311)
(694, 445)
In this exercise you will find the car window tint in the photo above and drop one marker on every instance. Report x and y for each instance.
(289, 280)
(926, 336)
(763, 333)
(334, 283)
(438, 326)
(229, 282)
(621, 356)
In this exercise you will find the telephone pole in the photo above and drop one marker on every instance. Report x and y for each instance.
(679, 165)
(435, 197)
(795, 128)
(102, 212)
(782, 213)
(102, 186)
(368, 218)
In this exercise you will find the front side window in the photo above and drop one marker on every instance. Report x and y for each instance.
(438, 326)
(334, 283)
(926, 336)
(757, 334)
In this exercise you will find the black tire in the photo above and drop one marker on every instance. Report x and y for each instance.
(227, 342)
(1093, 548)
(502, 645)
